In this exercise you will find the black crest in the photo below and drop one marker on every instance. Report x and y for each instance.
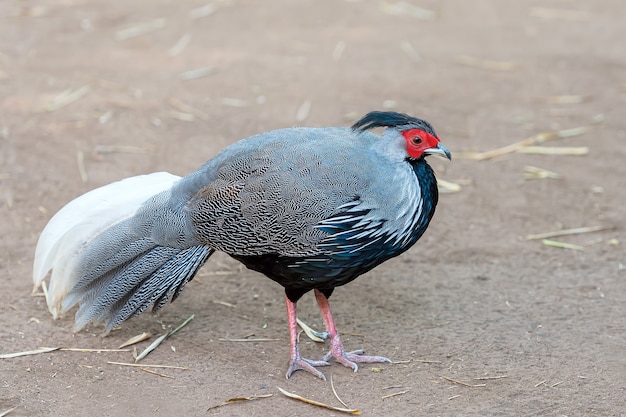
(392, 119)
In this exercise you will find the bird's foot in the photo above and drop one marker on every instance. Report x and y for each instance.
(350, 359)
(298, 363)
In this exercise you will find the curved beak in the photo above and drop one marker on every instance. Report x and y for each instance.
(439, 150)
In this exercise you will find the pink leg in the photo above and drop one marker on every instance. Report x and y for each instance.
(297, 362)
(349, 359)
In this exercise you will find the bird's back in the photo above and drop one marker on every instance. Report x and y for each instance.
(305, 203)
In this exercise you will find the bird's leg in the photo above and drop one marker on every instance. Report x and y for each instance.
(349, 359)
(297, 362)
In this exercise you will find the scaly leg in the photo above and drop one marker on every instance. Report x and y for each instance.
(349, 359)
(297, 362)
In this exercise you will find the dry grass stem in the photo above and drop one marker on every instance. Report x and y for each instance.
(566, 99)
(6, 412)
(136, 339)
(88, 350)
(186, 108)
(234, 102)
(247, 340)
(303, 111)
(403, 8)
(561, 150)
(27, 353)
(540, 383)
(67, 97)
(562, 245)
(486, 378)
(240, 399)
(532, 140)
(179, 46)
(150, 348)
(454, 396)
(202, 11)
(224, 303)
(560, 14)
(447, 186)
(194, 74)
(407, 48)
(107, 149)
(535, 173)
(312, 334)
(486, 64)
(465, 384)
(556, 384)
(425, 361)
(567, 232)
(332, 386)
(395, 394)
(319, 404)
(183, 324)
(161, 339)
(140, 29)
(340, 46)
(157, 373)
(80, 161)
(183, 117)
(136, 365)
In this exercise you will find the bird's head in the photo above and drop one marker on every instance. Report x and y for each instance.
(418, 134)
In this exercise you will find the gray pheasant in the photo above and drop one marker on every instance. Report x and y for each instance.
(310, 208)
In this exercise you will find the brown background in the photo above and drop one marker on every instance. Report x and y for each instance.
(473, 299)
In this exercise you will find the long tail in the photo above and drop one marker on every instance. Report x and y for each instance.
(116, 251)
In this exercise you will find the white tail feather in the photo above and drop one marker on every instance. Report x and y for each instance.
(67, 233)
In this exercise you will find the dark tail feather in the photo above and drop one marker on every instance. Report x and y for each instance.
(151, 279)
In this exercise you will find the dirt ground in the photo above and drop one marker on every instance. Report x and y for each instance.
(480, 320)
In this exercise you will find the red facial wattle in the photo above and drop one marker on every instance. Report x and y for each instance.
(418, 141)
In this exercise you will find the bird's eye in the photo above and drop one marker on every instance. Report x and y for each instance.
(416, 140)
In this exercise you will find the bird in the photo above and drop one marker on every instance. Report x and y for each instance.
(310, 208)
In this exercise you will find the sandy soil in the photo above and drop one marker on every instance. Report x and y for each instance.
(481, 321)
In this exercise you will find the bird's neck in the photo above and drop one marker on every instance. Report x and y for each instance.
(429, 194)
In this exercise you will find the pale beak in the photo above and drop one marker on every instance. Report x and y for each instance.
(439, 150)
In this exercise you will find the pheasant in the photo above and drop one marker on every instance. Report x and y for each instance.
(310, 208)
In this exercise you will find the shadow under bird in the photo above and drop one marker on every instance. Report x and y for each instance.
(310, 208)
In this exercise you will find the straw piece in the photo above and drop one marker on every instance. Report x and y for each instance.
(247, 340)
(303, 111)
(532, 140)
(239, 399)
(67, 97)
(312, 334)
(566, 232)
(6, 412)
(179, 46)
(136, 339)
(395, 394)
(140, 29)
(561, 245)
(486, 64)
(194, 74)
(141, 365)
(535, 173)
(563, 150)
(403, 8)
(27, 353)
(561, 14)
(319, 404)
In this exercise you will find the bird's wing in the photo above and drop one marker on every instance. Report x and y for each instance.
(272, 200)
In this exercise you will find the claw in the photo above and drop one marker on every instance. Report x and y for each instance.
(302, 364)
(337, 351)
(350, 359)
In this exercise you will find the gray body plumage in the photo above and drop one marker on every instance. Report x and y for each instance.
(284, 196)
